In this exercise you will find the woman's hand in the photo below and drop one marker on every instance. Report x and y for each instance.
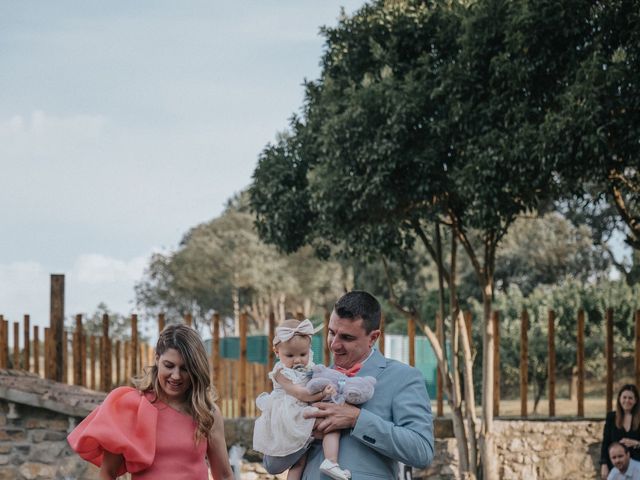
(604, 471)
(630, 443)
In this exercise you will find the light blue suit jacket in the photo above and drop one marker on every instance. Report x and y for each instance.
(394, 426)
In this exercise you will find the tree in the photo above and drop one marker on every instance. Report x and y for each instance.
(592, 135)
(223, 266)
(425, 114)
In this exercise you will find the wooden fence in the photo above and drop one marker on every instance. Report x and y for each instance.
(101, 363)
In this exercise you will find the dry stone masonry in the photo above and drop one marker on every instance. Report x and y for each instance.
(37, 414)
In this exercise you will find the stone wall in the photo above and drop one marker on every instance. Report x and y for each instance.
(532, 450)
(33, 446)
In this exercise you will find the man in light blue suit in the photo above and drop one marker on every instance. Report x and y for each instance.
(394, 426)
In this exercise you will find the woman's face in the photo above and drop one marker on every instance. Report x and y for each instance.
(627, 400)
(173, 378)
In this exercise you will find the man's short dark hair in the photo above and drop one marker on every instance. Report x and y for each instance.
(618, 444)
(359, 304)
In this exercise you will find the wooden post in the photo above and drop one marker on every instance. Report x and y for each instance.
(242, 383)
(552, 362)
(637, 348)
(609, 355)
(215, 351)
(325, 340)
(36, 350)
(83, 354)
(47, 353)
(26, 353)
(380, 339)
(161, 323)
(580, 362)
(16, 345)
(524, 362)
(77, 351)
(411, 334)
(127, 363)
(4, 343)
(133, 353)
(271, 356)
(188, 320)
(56, 326)
(439, 377)
(65, 358)
(495, 318)
(105, 359)
(92, 360)
(118, 376)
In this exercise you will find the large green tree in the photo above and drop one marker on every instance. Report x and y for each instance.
(223, 266)
(424, 112)
(593, 135)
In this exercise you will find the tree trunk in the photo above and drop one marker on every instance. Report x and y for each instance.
(469, 395)
(488, 451)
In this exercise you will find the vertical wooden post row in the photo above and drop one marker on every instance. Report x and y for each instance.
(524, 362)
(36, 350)
(56, 326)
(105, 358)
(133, 347)
(161, 323)
(271, 331)
(552, 362)
(609, 355)
(411, 334)
(495, 317)
(242, 383)
(92, 360)
(16, 345)
(215, 351)
(77, 351)
(4, 343)
(26, 353)
(580, 362)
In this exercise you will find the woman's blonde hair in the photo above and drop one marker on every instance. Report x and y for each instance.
(201, 394)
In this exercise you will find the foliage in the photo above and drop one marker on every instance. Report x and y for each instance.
(564, 299)
(222, 265)
(592, 136)
(119, 325)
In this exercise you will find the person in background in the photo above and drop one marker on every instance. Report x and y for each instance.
(166, 427)
(395, 425)
(624, 467)
(621, 425)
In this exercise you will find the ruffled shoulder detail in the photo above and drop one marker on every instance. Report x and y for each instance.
(125, 424)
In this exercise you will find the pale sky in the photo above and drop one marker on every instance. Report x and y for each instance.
(125, 123)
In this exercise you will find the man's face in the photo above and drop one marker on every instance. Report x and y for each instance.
(349, 341)
(619, 458)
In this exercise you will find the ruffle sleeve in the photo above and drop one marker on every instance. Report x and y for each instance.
(125, 424)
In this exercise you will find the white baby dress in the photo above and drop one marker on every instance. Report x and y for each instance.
(282, 429)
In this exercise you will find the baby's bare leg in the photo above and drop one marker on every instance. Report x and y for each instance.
(331, 445)
(295, 472)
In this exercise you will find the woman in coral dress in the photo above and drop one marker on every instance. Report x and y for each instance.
(167, 427)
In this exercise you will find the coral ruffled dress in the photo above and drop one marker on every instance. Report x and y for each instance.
(155, 440)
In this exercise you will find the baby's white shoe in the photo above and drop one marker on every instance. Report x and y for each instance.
(334, 471)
